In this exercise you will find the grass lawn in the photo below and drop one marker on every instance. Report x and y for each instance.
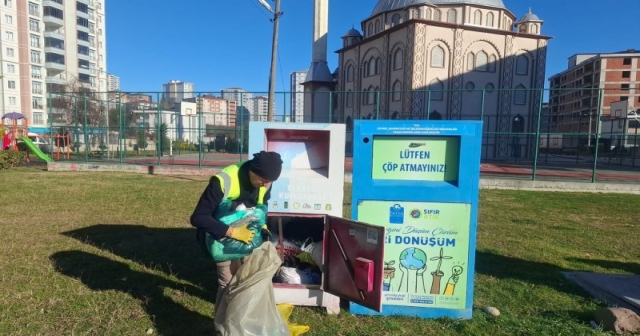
(114, 254)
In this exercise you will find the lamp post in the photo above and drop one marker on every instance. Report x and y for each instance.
(274, 55)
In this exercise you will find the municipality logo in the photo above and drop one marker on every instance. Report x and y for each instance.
(396, 214)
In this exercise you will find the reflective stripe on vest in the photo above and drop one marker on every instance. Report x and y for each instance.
(230, 183)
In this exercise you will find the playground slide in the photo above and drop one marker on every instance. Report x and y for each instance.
(35, 149)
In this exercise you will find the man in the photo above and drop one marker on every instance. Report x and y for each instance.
(246, 184)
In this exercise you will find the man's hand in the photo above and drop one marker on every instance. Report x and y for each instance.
(241, 233)
(266, 234)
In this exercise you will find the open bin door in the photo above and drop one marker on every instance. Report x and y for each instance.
(354, 261)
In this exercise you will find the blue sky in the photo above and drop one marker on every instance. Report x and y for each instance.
(217, 44)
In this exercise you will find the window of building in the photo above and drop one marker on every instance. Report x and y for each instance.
(37, 118)
(398, 59)
(8, 36)
(84, 22)
(36, 87)
(82, 7)
(490, 19)
(8, 3)
(493, 60)
(10, 52)
(377, 29)
(395, 20)
(428, 14)
(11, 84)
(370, 29)
(436, 90)
(489, 87)
(8, 19)
(349, 98)
(35, 57)
(36, 72)
(12, 100)
(481, 61)
(471, 61)
(84, 36)
(397, 91)
(35, 41)
(522, 65)
(470, 86)
(437, 57)
(34, 25)
(36, 103)
(34, 9)
(350, 73)
(626, 61)
(520, 95)
(626, 74)
(624, 86)
(11, 68)
(437, 15)
(452, 16)
(477, 17)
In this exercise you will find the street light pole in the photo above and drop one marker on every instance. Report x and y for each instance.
(274, 57)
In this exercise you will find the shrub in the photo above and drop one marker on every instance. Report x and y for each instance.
(9, 159)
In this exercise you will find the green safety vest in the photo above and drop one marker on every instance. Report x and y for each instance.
(230, 183)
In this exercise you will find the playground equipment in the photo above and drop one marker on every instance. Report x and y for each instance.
(19, 132)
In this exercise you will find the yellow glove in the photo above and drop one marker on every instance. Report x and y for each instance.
(242, 233)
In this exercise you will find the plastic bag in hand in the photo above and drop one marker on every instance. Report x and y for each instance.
(229, 248)
(248, 307)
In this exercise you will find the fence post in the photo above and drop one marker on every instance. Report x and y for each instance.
(378, 105)
(330, 106)
(121, 137)
(241, 144)
(86, 138)
(597, 142)
(76, 135)
(537, 144)
(199, 123)
(158, 135)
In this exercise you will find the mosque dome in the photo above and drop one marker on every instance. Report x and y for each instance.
(388, 5)
(530, 17)
(352, 33)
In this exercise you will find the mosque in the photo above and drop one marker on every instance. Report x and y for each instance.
(434, 59)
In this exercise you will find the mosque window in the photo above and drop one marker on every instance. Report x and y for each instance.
(437, 15)
(428, 14)
(350, 73)
(520, 95)
(395, 20)
(377, 26)
(477, 17)
(436, 90)
(435, 115)
(349, 123)
(470, 86)
(522, 65)
(398, 59)
(371, 94)
(489, 87)
(492, 63)
(370, 29)
(534, 29)
(523, 28)
(490, 20)
(397, 91)
(471, 62)
(437, 57)
(481, 61)
(349, 98)
(452, 16)
(365, 69)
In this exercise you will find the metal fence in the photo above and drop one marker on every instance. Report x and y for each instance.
(579, 134)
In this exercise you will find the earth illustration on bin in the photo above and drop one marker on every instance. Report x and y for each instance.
(413, 259)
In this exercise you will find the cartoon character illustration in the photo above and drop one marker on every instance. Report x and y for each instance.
(328, 207)
(413, 264)
(389, 273)
(453, 280)
(296, 205)
(438, 274)
(417, 144)
(275, 204)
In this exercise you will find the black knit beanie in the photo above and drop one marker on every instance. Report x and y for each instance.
(267, 165)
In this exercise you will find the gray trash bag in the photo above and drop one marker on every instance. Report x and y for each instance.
(248, 307)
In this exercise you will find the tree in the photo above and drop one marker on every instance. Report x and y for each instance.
(165, 142)
(142, 139)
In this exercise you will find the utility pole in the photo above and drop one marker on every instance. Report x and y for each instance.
(274, 57)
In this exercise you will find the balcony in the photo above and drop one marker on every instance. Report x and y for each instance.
(54, 34)
(54, 68)
(56, 80)
(53, 3)
(55, 50)
(52, 22)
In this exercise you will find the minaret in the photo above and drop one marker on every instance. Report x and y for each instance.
(319, 82)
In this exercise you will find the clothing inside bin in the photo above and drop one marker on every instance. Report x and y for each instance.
(301, 236)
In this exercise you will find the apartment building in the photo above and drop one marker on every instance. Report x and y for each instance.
(176, 91)
(113, 83)
(216, 111)
(591, 83)
(47, 46)
(260, 110)
(297, 96)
